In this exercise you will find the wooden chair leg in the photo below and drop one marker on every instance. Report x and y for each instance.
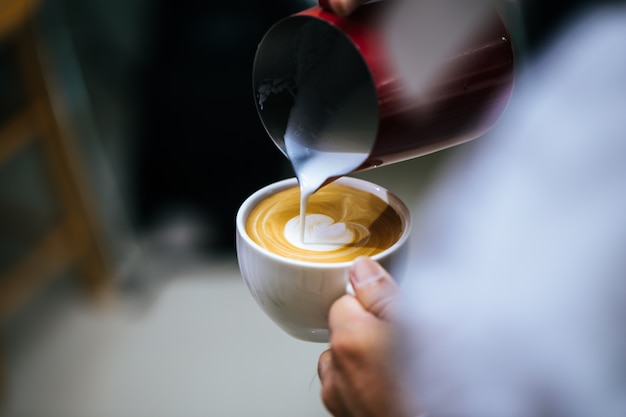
(67, 173)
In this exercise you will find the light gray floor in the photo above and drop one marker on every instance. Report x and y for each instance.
(187, 341)
(199, 346)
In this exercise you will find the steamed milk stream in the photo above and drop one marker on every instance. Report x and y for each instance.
(328, 132)
(323, 223)
(313, 166)
(312, 171)
(330, 223)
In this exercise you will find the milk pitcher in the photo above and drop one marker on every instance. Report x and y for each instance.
(385, 84)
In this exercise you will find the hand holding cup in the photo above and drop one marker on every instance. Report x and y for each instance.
(295, 285)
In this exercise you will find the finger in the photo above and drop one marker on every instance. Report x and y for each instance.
(340, 7)
(374, 287)
(323, 365)
(330, 394)
(348, 315)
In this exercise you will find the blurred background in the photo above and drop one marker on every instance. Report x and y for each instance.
(128, 138)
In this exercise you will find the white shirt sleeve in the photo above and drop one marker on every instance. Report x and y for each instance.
(516, 290)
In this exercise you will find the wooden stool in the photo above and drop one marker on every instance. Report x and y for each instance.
(72, 237)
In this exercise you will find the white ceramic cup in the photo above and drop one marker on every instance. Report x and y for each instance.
(295, 294)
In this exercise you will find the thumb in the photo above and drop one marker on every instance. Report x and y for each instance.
(375, 289)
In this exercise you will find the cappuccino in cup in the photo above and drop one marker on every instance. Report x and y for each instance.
(294, 273)
(341, 223)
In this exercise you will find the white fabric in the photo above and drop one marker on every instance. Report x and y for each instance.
(517, 287)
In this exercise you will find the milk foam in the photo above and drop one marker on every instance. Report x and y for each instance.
(321, 233)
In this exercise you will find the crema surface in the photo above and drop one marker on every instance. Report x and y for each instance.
(342, 223)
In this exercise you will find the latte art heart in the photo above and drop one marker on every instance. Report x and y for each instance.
(342, 223)
(321, 233)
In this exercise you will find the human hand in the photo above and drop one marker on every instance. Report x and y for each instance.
(359, 373)
(341, 7)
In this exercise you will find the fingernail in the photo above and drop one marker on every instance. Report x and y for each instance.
(324, 4)
(364, 271)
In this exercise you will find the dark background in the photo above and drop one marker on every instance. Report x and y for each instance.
(170, 83)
